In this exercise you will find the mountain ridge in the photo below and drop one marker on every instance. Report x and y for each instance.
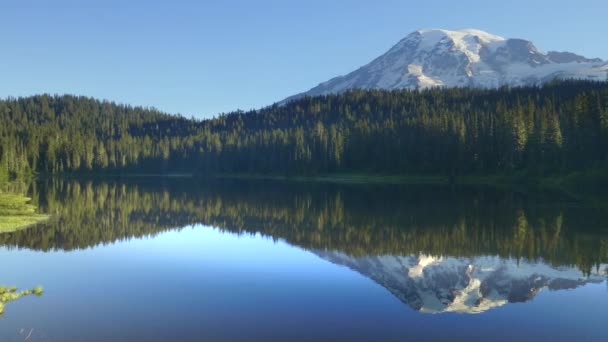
(463, 58)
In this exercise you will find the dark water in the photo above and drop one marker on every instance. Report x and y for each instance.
(176, 260)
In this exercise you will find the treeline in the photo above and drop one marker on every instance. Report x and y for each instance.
(559, 127)
(53, 134)
(356, 220)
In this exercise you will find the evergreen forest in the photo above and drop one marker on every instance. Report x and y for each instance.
(558, 128)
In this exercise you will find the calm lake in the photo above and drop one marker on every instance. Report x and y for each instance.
(183, 260)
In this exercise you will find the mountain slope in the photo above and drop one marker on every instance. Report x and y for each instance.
(443, 58)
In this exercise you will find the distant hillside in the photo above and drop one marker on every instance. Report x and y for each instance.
(67, 133)
(559, 127)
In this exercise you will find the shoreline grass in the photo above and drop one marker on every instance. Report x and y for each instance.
(573, 179)
(592, 183)
(16, 213)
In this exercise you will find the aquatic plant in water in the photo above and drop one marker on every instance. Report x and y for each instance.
(10, 294)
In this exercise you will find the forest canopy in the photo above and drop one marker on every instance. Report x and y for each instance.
(558, 128)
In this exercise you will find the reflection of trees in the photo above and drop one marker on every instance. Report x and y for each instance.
(353, 219)
(87, 214)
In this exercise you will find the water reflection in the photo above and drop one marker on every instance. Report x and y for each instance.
(437, 249)
(464, 285)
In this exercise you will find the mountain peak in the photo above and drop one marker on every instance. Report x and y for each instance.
(460, 34)
(463, 58)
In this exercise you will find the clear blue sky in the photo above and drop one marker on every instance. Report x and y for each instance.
(204, 57)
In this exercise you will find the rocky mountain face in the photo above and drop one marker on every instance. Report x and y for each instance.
(463, 58)
(462, 284)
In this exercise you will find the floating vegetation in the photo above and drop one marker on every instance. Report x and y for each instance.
(17, 213)
(10, 294)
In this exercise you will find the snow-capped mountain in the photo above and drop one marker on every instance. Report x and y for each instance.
(443, 58)
(463, 285)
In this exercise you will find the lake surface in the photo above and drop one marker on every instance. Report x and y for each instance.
(183, 260)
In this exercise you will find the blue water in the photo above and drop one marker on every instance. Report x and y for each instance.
(202, 284)
(259, 262)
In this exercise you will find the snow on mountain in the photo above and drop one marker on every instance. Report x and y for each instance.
(463, 285)
(443, 58)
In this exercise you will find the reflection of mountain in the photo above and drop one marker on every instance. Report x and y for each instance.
(497, 247)
(464, 285)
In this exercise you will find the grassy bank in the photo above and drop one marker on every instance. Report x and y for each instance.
(590, 181)
(353, 178)
(17, 213)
